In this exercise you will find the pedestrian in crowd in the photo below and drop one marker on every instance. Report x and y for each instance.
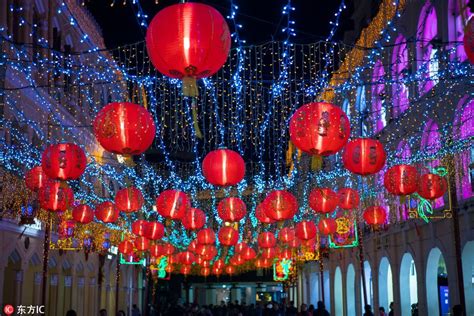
(135, 310)
(103, 312)
(457, 310)
(311, 309)
(382, 311)
(414, 309)
(368, 310)
(304, 310)
(120, 313)
(391, 312)
(291, 309)
(321, 310)
(71, 312)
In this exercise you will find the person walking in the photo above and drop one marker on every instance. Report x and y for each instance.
(321, 310)
(368, 310)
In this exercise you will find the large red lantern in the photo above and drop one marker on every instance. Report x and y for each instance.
(286, 234)
(55, 196)
(139, 227)
(206, 236)
(305, 230)
(185, 269)
(286, 254)
(141, 243)
(469, 40)
(228, 236)
(83, 214)
(364, 156)
(249, 254)
(205, 271)
(432, 186)
(231, 209)
(295, 243)
(106, 212)
(269, 253)
(323, 200)
(223, 167)
(156, 251)
(208, 252)
(217, 271)
(188, 41)
(172, 204)
(129, 200)
(124, 128)
(194, 219)
(375, 215)
(187, 258)
(64, 161)
(241, 246)
(35, 178)
(348, 198)
(327, 226)
(266, 240)
(401, 180)
(319, 128)
(154, 230)
(168, 249)
(263, 263)
(219, 264)
(280, 205)
(125, 247)
(261, 216)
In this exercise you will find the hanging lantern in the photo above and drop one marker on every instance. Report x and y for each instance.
(193, 245)
(205, 271)
(156, 251)
(188, 41)
(280, 205)
(106, 212)
(209, 253)
(206, 236)
(185, 269)
(141, 243)
(228, 236)
(268, 253)
(240, 247)
(249, 254)
(194, 219)
(469, 40)
(168, 249)
(55, 196)
(154, 230)
(261, 216)
(124, 128)
(401, 180)
(323, 200)
(231, 209)
(83, 214)
(295, 243)
(263, 263)
(125, 247)
(432, 186)
(327, 226)
(216, 271)
(219, 264)
(348, 198)
(319, 129)
(139, 227)
(364, 156)
(286, 234)
(64, 161)
(129, 200)
(266, 240)
(172, 204)
(187, 258)
(35, 178)
(237, 260)
(375, 215)
(286, 254)
(223, 167)
(305, 230)
(230, 270)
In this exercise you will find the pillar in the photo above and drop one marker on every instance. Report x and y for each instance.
(211, 296)
(235, 294)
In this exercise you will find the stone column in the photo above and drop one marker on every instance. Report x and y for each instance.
(235, 293)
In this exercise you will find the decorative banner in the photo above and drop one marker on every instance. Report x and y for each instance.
(161, 268)
(132, 259)
(282, 269)
(346, 234)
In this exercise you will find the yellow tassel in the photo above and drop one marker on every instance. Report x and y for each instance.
(145, 101)
(197, 130)
(316, 162)
(190, 88)
(289, 154)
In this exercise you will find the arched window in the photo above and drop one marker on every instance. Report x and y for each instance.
(363, 113)
(458, 13)
(464, 125)
(378, 97)
(403, 151)
(426, 52)
(400, 67)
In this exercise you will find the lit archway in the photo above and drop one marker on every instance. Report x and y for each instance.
(400, 66)
(338, 297)
(468, 274)
(385, 283)
(327, 289)
(350, 290)
(368, 286)
(378, 97)
(426, 52)
(458, 13)
(314, 292)
(408, 284)
(464, 129)
(437, 294)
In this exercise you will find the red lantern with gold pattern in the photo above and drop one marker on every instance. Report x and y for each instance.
(323, 200)
(210, 252)
(231, 209)
(249, 254)
(55, 196)
(280, 205)
(319, 129)
(286, 234)
(295, 243)
(35, 178)
(228, 236)
(154, 230)
(348, 198)
(188, 41)
(266, 240)
(206, 236)
(237, 260)
(327, 226)
(139, 227)
(305, 230)
(375, 215)
(432, 186)
(261, 216)
(469, 40)
(129, 200)
(156, 251)
(64, 161)
(401, 180)
(194, 219)
(125, 247)
(172, 204)
(106, 212)
(83, 214)
(219, 264)
(141, 243)
(168, 249)
(241, 246)
(268, 253)
(124, 128)
(364, 156)
(223, 167)
(187, 257)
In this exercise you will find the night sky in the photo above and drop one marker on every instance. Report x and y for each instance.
(261, 19)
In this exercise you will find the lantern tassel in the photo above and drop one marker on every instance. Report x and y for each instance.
(316, 162)
(190, 88)
(197, 130)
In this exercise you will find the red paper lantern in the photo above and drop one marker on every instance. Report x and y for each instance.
(154, 230)
(228, 236)
(106, 212)
(35, 178)
(323, 200)
(168, 249)
(286, 234)
(194, 219)
(125, 247)
(263, 263)
(231, 209)
(139, 227)
(219, 264)
(375, 215)
(432, 186)
(172, 204)
(230, 270)
(217, 271)
(364, 156)
(156, 251)
(83, 214)
(327, 226)
(268, 253)
(295, 243)
(209, 253)
(193, 245)
(188, 41)
(286, 254)
(187, 257)
(64, 161)
(240, 247)
(401, 180)
(261, 216)
(319, 129)
(206, 236)
(223, 167)
(205, 271)
(124, 128)
(185, 269)
(305, 230)
(469, 40)
(266, 240)
(129, 200)
(237, 260)
(348, 198)
(249, 254)
(280, 205)
(55, 196)
(141, 243)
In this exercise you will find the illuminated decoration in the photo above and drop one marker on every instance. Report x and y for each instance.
(106, 212)
(268, 253)
(346, 235)
(266, 240)
(237, 260)
(401, 180)
(230, 270)
(223, 167)
(305, 230)
(228, 236)
(282, 270)
(124, 128)
(469, 40)
(188, 41)
(327, 226)
(65, 161)
(206, 236)
(280, 205)
(241, 246)
(194, 219)
(205, 271)
(161, 268)
(172, 204)
(286, 253)
(125, 247)
(323, 200)
(139, 227)
(217, 271)
(55, 196)
(156, 250)
(83, 214)
(249, 253)
(375, 215)
(154, 230)
(295, 243)
(263, 263)
(187, 258)
(141, 243)
(35, 178)
(231, 209)
(432, 186)
(364, 156)
(319, 129)
(185, 269)
(129, 200)
(348, 198)
(286, 234)
(262, 216)
(219, 264)
(168, 249)
(208, 252)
